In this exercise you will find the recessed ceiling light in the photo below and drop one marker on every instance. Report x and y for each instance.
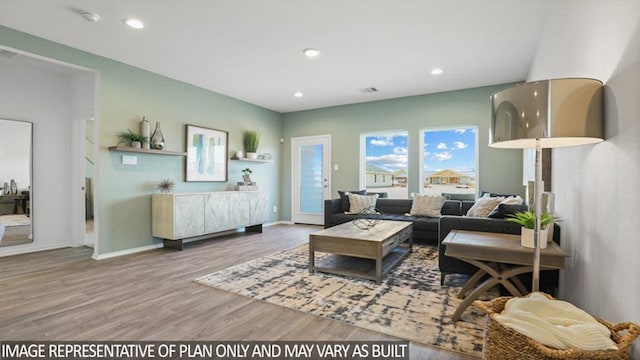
(89, 16)
(309, 52)
(134, 23)
(436, 71)
(298, 94)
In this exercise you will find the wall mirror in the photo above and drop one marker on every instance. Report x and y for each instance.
(16, 220)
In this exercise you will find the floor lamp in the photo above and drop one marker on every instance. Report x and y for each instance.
(546, 114)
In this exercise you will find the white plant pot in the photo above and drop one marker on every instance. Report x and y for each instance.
(526, 238)
(136, 144)
(252, 155)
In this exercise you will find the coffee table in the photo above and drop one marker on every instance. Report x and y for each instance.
(387, 243)
(501, 257)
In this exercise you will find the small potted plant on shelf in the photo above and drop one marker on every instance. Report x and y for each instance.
(246, 176)
(132, 139)
(166, 186)
(251, 140)
(527, 219)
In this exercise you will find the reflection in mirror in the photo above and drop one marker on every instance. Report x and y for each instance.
(15, 181)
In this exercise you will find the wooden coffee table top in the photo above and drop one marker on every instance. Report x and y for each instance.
(502, 248)
(382, 231)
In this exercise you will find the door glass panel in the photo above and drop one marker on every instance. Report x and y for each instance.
(311, 182)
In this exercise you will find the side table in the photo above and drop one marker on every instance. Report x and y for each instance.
(501, 257)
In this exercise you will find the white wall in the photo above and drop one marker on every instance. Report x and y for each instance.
(32, 90)
(597, 192)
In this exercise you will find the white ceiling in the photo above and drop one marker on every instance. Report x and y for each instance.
(252, 49)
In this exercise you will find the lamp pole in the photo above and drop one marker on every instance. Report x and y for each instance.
(537, 190)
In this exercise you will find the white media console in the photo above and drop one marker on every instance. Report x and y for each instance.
(175, 217)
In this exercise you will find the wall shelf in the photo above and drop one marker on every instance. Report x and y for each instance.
(253, 160)
(146, 151)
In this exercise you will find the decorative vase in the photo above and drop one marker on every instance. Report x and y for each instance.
(6, 189)
(526, 238)
(252, 155)
(157, 139)
(239, 154)
(14, 187)
(246, 178)
(145, 130)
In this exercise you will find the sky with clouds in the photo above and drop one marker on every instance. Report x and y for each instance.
(452, 149)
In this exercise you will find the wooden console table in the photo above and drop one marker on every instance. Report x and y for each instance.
(499, 255)
(18, 201)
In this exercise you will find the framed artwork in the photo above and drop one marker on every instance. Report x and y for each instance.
(206, 154)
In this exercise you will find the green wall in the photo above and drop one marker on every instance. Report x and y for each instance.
(500, 170)
(125, 94)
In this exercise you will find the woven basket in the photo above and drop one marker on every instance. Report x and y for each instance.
(501, 342)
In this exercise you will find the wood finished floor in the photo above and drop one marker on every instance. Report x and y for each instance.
(65, 295)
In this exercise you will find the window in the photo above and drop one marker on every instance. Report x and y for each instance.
(384, 165)
(449, 162)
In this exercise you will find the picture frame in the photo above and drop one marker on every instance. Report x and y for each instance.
(207, 151)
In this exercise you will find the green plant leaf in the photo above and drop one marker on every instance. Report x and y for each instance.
(251, 140)
(527, 219)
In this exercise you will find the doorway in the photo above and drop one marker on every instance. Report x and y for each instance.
(311, 178)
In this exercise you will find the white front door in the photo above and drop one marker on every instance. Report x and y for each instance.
(311, 182)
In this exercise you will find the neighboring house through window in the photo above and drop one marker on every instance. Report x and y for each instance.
(384, 163)
(449, 162)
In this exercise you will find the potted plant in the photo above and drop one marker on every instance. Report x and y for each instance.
(250, 140)
(131, 139)
(527, 219)
(166, 186)
(246, 175)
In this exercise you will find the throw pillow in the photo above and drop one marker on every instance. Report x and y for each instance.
(358, 203)
(426, 205)
(344, 198)
(484, 205)
(511, 200)
(504, 210)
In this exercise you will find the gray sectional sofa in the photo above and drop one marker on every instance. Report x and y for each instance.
(425, 229)
(432, 231)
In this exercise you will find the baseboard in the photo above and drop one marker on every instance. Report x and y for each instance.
(196, 238)
(29, 248)
(283, 222)
(126, 252)
(278, 223)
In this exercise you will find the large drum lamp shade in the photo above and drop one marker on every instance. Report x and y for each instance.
(559, 112)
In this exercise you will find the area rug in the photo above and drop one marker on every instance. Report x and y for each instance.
(409, 304)
(14, 220)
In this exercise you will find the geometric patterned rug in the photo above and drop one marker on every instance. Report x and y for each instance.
(409, 304)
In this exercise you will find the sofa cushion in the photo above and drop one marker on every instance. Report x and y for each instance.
(344, 198)
(461, 197)
(421, 223)
(426, 205)
(394, 206)
(503, 210)
(484, 205)
(451, 207)
(360, 203)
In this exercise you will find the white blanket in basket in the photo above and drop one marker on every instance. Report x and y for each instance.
(555, 323)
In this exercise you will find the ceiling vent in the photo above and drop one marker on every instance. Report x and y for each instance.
(369, 90)
(6, 54)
